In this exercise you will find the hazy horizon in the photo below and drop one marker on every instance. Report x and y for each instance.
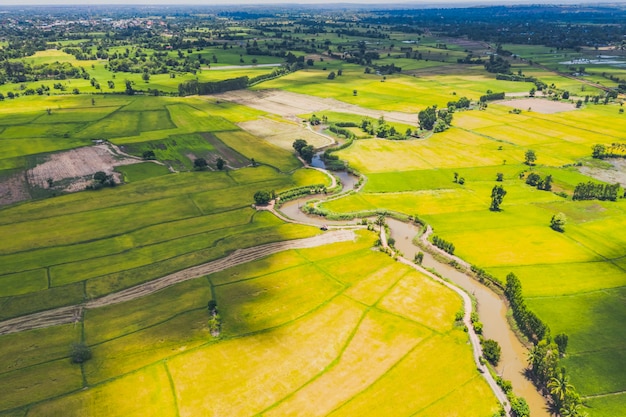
(297, 2)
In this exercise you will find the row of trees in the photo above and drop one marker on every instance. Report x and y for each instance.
(615, 150)
(535, 180)
(195, 87)
(593, 191)
(526, 320)
(443, 244)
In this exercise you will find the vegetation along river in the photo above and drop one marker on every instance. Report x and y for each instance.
(491, 308)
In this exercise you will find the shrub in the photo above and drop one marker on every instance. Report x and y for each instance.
(80, 353)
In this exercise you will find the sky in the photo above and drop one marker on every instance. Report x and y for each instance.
(421, 3)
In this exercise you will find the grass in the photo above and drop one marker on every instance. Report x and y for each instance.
(143, 171)
(292, 331)
(261, 151)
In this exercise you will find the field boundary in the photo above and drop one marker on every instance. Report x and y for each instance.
(73, 314)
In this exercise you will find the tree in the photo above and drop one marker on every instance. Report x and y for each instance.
(262, 197)
(598, 151)
(80, 353)
(497, 195)
(491, 351)
(558, 222)
(307, 153)
(499, 177)
(561, 340)
(354, 92)
(298, 144)
(212, 306)
(200, 163)
(560, 387)
(148, 155)
(565, 95)
(530, 157)
(220, 163)
(145, 76)
(129, 88)
(427, 118)
(332, 75)
(519, 407)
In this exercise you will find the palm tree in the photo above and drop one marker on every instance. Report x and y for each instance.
(573, 410)
(380, 220)
(559, 387)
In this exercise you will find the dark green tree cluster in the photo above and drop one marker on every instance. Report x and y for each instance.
(303, 149)
(443, 244)
(497, 64)
(263, 197)
(215, 320)
(491, 351)
(492, 97)
(462, 103)
(430, 118)
(558, 221)
(526, 320)
(535, 180)
(543, 362)
(101, 179)
(615, 150)
(497, 196)
(80, 353)
(593, 191)
(194, 87)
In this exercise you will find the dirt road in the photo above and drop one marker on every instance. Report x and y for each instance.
(72, 314)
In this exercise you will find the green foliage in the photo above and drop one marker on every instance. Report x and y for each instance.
(530, 157)
(526, 320)
(519, 407)
(262, 197)
(491, 97)
(427, 118)
(594, 191)
(497, 195)
(491, 351)
(200, 163)
(195, 87)
(561, 340)
(557, 222)
(80, 353)
(443, 244)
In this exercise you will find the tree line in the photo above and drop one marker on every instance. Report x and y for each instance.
(443, 244)
(593, 191)
(212, 87)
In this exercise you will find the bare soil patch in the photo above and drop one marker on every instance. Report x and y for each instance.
(289, 105)
(616, 174)
(283, 134)
(73, 170)
(538, 105)
(13, 188)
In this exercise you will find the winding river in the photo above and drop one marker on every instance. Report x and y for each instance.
(491, 308)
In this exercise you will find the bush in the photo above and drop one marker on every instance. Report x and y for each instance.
(80, 353)
(491, 351)
(262, 197)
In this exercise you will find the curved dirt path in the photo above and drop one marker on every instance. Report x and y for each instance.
(72, 314)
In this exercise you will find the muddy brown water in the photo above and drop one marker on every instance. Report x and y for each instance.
(491, 309)
(492, 312)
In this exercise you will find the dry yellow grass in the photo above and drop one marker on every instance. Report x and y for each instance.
(385, 338)
(237, 379)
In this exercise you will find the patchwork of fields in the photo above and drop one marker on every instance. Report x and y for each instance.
(338, 330)
(575, 281)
